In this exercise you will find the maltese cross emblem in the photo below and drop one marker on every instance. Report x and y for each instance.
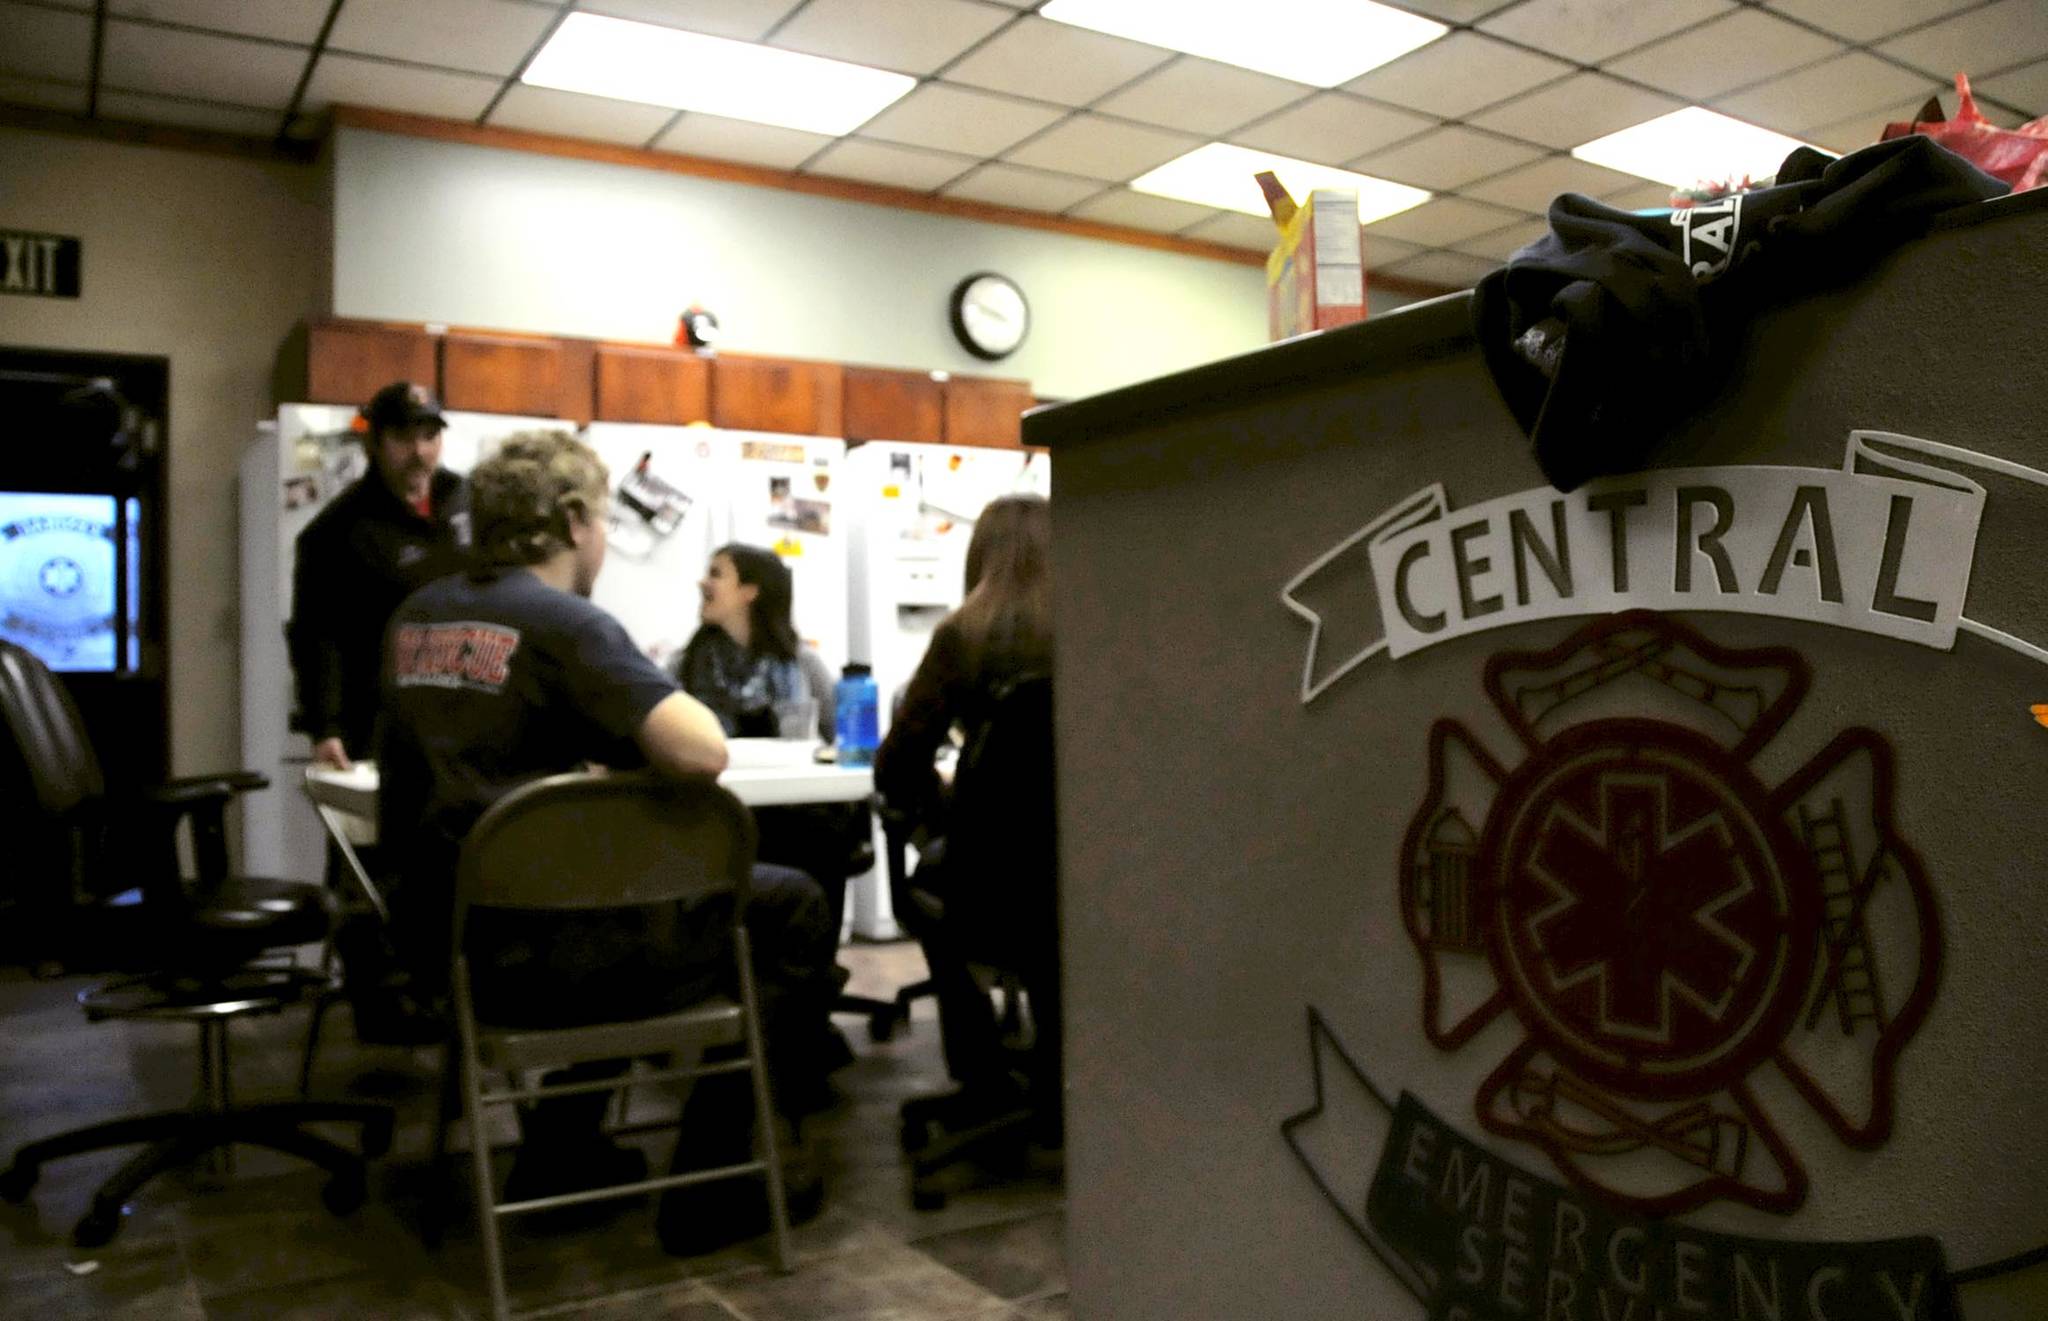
(1661, 923)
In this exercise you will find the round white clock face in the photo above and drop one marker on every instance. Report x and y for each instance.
(990, 315)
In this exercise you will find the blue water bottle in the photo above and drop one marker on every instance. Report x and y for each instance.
(859, 730)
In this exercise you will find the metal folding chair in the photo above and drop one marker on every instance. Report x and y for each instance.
(581, 842)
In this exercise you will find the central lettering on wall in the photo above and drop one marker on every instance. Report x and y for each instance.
(1882, 545)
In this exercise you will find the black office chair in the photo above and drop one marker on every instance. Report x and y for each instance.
(1000, 913)
(207, 935)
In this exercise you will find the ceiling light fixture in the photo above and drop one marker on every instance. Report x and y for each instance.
(1318, 42)
(1691, 146)
(628, 61)
(1221, 175)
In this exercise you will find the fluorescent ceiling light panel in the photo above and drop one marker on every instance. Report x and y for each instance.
(1690, 146)
(1222, 175)
(1318, 42)
(663, 66)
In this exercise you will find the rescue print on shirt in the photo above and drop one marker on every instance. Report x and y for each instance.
(459, 655)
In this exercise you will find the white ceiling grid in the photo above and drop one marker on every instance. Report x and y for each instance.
(1023, 112)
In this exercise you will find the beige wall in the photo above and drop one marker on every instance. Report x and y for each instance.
(435, 231)
(208, 261)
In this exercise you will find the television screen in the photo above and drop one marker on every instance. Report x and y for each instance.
(58, 570)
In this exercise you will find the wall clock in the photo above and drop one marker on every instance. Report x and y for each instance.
(989, 314)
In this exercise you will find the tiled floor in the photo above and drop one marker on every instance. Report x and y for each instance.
(257, 1243)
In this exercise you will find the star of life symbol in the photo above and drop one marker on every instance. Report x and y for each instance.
(61, 576)
(1661, 923)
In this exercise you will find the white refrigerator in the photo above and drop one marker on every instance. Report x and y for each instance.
(677, 494)
(298, 462)
(912, 509)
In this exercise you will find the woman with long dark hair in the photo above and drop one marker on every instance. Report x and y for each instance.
(745, 661)
(1002, 632)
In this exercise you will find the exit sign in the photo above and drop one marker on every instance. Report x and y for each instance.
(38, 265)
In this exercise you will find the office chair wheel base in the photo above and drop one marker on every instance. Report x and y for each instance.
(96, 1228)
(882, 1024)
(923, 1198)
(18, 1182)
(345, 1193)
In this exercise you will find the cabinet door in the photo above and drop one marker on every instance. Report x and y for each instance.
(497, 374)
(982, 410)
(893, 405)
(642, 383)
(348, 361)
(776, 394)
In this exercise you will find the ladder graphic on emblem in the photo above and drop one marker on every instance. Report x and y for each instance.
(1848, 971)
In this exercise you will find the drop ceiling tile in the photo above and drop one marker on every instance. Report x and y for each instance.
(42, 94)
(737, 140)
(546, 110)
(1445, 221)
(1997, 36)
(1141, 211)
(960, 119)
(1034, 190)
(1234, 229)
(1831, 90)
(1576, 110)
(156, 61)
(1868, 20)
(1642, 197)
(1332, 127)
(352, 80)
(45, 44)
(1098, 148)
(742, 20)
(1056, 62)
(1592, 30)
(888, 34)
(1383, 252)
(1854, 131)
(483, 36)
(1453, 270)
(1746, 47)
(1457, 74)
(899, 167)
(238, 120)
(1455, 11)
(1446, 158)
(2025, 88)
(1532, 187)
(281, 20)
(1201, 96)
(1500, 244)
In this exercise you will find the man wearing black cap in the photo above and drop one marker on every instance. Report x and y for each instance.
(404, 524)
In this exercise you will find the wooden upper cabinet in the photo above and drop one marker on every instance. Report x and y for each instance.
(348, 361)
(983, 410)
(893, 405)
(776, 394)
(503, 374)
(644, 383)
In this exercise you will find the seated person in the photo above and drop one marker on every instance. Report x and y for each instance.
(1002, 631)
(507, 673)
(746, 663)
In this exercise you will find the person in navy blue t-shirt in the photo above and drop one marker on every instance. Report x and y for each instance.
(506, 673)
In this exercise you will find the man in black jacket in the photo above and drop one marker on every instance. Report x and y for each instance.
(404, 524)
